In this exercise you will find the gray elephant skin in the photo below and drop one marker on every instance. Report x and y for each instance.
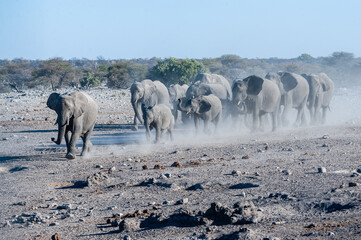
(294, 94)
(149, 93)
(261, 96)
(208, 108)
(160, 118)
(321, 93)
(77, 113)
(206, 84)
(176, 92)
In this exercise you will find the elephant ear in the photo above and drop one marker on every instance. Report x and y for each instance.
(254, 85)
(149, 91)
(289, 82)
(53, 101)
(204, 106)
(325, 87)
(80, 102)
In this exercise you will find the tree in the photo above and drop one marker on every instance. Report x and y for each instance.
(55, 72)
(15, 74)
(89, 79)
(123, 74)
(304, 57)
(171, 71)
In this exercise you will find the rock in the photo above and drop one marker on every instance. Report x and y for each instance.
(53, 224)
(7, 224)
(324, 145)
(266, 147)
(358, 170)
(111, 170)
(236, 172)
(145, 167)
(127, 237)
(112, 207)
(97, 179)
(287, 172)
(129, 224)
(65, 206)
(98, 166)
(157, 166)
(353, 184)
(177, 164)
(325, 137)
(182, 201)
(246, 157)
(245, 212)
(321, 170)
(56, 236)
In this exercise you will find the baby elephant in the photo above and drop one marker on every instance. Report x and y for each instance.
(77, 113)
(159, 117)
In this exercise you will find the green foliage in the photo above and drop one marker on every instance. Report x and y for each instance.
(304, 57)
(171, 71)
(54, 72)
(123, 74)
(89, 80)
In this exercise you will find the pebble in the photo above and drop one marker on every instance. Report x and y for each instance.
(112, 207)
(353, 184)
(98, 166)
(358, 170)
(53, 224)
(182, 201)
(236, 172)
(325, 137)
(321, 170)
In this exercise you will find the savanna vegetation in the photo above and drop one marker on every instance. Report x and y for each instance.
(56, 73)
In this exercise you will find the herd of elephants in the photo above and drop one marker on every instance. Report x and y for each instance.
(209, 98)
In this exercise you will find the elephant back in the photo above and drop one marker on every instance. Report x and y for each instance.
(161, 93)
(215, 78)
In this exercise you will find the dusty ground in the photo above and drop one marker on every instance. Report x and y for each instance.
(274, 176)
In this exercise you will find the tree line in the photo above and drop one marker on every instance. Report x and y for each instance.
(57, 73)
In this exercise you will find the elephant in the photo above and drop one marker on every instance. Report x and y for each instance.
(198, 89)
(232, 110)
(261, 96)
(77, 113)
(294, 94)
(159, 117)
(149, 93)
(177, 91)
(321, 93)
(208, 108)
(215, 78)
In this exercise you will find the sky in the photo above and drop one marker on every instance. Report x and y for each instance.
(127, 29)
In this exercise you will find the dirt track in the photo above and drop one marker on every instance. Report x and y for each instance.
(42, 193)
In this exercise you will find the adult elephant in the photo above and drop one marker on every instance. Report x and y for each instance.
(215, 78)
(294, 94)
(176, 92)
(261, 96)
(321, 92)
(201, 89)
(77, 113)
(149, 93)
(208, 108)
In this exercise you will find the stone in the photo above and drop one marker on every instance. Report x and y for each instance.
(353, 184)
(246, 157)
(65, 206)
(182, 201)
(321, 170)
(145, 167)
(177, 164)
(56, 236)
(236, 172)
(246, 212)
(97, 179)
(129, 224)
(98, 166)
(53, 224)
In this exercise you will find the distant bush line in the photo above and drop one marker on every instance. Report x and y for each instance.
(57, 73)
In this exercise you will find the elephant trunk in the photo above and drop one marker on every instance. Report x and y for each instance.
(183, 109)
(136, 108)
(61, 133)
(242, 109)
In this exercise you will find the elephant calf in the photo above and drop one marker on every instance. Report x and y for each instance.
(159, 117)
(77, 113)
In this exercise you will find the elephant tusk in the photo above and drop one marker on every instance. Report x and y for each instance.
(239, 102)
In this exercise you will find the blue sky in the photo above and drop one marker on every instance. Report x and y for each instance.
(42, 29)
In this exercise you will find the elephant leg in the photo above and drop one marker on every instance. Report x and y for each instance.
(157, 134)
(262, 117)
(170, 131)
(67, 139)
(324, 112)
(274, 120)
(87, 145)
(255, 120)
(206, 124)
(74, 138)
(196, 123)
(135, 124)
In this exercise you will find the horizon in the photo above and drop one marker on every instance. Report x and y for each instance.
(41, 30)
